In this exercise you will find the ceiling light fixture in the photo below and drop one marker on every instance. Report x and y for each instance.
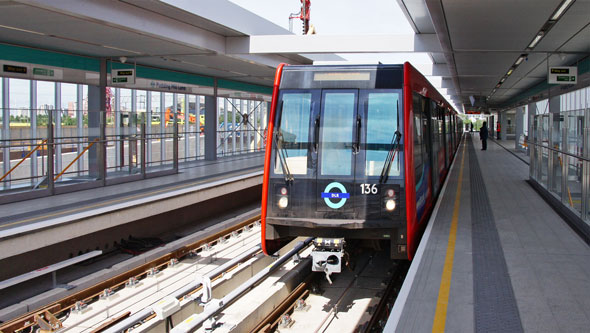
(503, 79)
(562, 8)
(23, 30)
(509, 72)
(120, 49)
(520, 59)
(536, 40)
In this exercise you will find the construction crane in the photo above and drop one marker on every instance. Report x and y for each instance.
(303, 15)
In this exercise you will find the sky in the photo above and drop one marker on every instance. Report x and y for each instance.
(343, 17)
(346, 17)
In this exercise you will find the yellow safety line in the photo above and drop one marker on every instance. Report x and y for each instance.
(440, 316)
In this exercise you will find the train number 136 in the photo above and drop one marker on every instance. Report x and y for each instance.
(369, 188)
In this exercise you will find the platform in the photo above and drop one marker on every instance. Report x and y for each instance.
(118, 204)
(495, 256)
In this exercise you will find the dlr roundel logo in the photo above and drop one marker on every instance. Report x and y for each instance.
(342, 195)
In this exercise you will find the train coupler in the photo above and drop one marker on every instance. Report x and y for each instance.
(327, 256)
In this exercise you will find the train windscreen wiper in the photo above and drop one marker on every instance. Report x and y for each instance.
(390, 156)
(282, 155)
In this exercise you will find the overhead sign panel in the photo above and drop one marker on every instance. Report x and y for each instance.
(15, 69)
(563, 75)
(123, 76)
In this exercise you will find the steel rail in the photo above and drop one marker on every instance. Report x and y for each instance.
(286, 306)
(218, 305)
(145, 313)
(334, 310)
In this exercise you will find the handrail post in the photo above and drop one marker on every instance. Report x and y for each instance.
(565, 161)
(143, 150)
(586, 168)
(175, 146)
(130, 142)
(50, 142)
(550, 154)
(102, 149)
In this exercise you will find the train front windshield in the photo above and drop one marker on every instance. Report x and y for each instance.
(342, 133)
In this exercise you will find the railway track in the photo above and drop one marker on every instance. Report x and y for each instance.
(54, 316)
(358, 301)
(225, 283)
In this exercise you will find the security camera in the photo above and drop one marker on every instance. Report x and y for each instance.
(123, 59)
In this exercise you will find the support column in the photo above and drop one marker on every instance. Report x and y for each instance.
(174, 112)
(58, 131)
(6, 130)
(148, 126)
(210, 125)
(80, 126)
(234, 110)
(554, 142)
(225, 134)
(97, 104)
(532, 140)
(187, 120)
(503, 125)
(198, 127)
(162, 127)
(518, 127)
(118, 142)
(34, 141)
(132, 134)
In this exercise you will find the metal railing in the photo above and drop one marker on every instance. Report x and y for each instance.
(559, 146)
(57, 157)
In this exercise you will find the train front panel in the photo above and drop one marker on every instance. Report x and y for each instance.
(335, 164)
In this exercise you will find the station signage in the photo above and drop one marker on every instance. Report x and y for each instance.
(123, 76)
(563, 75)
(43, 71)
(14, 69)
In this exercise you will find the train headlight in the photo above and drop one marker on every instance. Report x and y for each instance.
(283, 190)
(390, 193)
(390, 204)
(283, 202)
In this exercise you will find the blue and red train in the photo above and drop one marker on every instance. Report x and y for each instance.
(355, 152)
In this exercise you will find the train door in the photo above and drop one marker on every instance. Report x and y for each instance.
(337, 134)
(435, 145)
(422, 153)
(441, 115)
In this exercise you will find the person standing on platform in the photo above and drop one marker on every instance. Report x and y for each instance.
(471, 127)
(483, 135)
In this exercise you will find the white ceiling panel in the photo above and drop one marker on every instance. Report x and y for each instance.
(495, 25)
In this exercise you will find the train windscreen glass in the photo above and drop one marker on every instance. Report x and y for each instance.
(294, 132)
(382, 122)
(337, 130)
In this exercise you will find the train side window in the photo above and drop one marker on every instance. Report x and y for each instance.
(382, 122)
(418, 139)
(294, 132)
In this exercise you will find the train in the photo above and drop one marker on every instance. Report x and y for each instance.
(355, 153)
